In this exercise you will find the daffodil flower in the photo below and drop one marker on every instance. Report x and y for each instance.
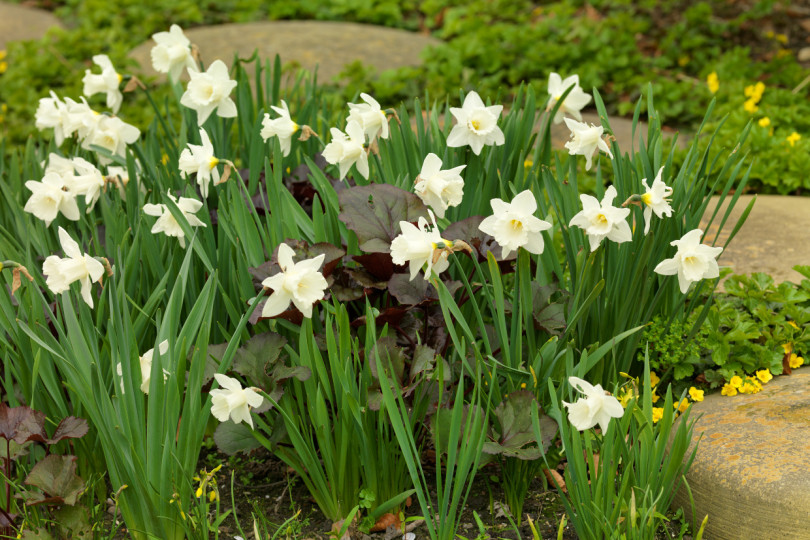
(111, 133)
(51, 114)
(104, 83)
(437, 188)
(586, 141)
(574, 102)
(603, 220)
(346, 149)
(595, 408)
(172, 52)
(693, 261)
(514, 225)
(166, 222)
(477, 125)
(370, 117)
(282, 127)
(232, 401)
(655, 199)
(200, 159)
(49, 197)
(61, 272)
(417, 246)
(209, 91)
(300, 283)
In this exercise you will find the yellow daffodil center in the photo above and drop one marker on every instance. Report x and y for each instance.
(647, 198)
(213, 163)
(516, 224)
(601, 219)
(476, 124)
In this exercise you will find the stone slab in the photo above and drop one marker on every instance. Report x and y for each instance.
(18, 23)
(328, 45)
(774, 238)
(751, 474)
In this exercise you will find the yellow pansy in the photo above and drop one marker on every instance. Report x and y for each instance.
(764, 122)
(682, 406)
(713, 82)
(764, 375)
(736, 381)
(793, 138)
(654, 379)
(728, 390)
(795, 361)
(658, 414)
(696, 394)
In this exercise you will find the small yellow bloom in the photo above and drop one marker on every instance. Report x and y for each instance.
(523, 385)
(750, 106)
(793, 138)
(728, 390)
(213, 496)
(682, 406)
(528, 164)
(696, 394)
(795, 361)
(781, 38)
(787, 347)
(654, 379)
(3, 66)
(764, 122)
(764, 375)
(794, 325)
(755, 91)
(713, 82)
(626, 395)
(655, 397)
(658, 414)
(164, 158)
(736, 381)
(199, 492)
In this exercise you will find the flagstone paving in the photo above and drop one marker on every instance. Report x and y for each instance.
(774, 238)
(328, 45)
(19, 23)
(751, 474)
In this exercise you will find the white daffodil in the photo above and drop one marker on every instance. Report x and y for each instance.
(416, 245)
(693, 261)
(51, 114)
(87, 181)
(49, 197)
(172, 52)
(282, 127)
(346, 149)
(437, 188)
(200, 159)
(59, 165)
(603, 220)
(80, 118)
(210, 90)
(370, 117)
(574, 102)
(166, 222)
(113, 134)
(232, 401)
(477, 124)
(61, 272)
(655, 199)
(104, 83)
(586, 141)
(595, 408)
(513, 225)
(300, 283)
(145, 362)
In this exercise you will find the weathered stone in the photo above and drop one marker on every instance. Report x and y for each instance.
(19, 23)
(751, 474)
(775, 237)
(328, 45)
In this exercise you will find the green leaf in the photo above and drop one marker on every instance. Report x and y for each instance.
(233, 438)
(56, 476)
(253, 358)
(373, 213)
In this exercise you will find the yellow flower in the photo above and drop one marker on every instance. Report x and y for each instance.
(736, 381)
(528, 164)
(658, 414)
(793, 138)
(713, 82)
(764, 122)
(787, 347)
(523, 385)
(682, 406)
(728, 390)
(781, 38)
(626, 395)
(750, 106)
(795, 361)
(755, 91)
(696, 394)
(764, 375)
(654, 379)
(791, 323)
(655, 397)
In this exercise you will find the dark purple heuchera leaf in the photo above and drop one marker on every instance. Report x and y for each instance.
(373, 213)
(56, 476)
(379, 265)
(549, 315)
(513, 428)
(69, 428)
(22, 424)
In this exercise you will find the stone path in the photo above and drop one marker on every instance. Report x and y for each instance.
(774, 238)
(622, 130)
(19, 23)
(328, 45)
(752, 474)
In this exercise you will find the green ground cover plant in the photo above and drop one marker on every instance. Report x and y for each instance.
(353, 298)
